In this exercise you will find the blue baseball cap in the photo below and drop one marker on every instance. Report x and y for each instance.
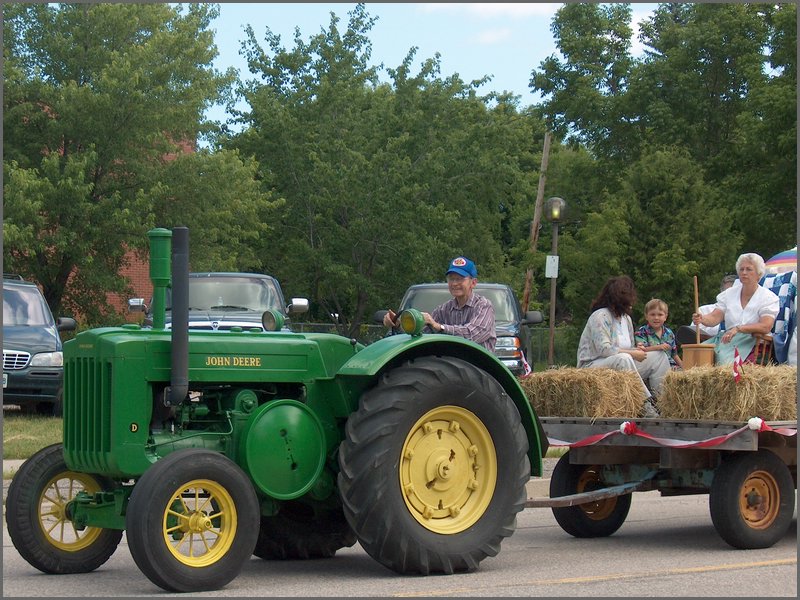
(462, 266)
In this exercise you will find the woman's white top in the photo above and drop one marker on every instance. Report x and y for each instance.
(764, 302)
(623, 337)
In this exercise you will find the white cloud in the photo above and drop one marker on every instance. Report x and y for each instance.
(489, 37)
(494, 9)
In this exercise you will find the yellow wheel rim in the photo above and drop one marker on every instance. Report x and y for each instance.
(759, 501)
(448, 469)
(57, 528)
(200, 523)
(600, 509)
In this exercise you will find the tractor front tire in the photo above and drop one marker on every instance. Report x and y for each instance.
(38, 520)
(192, 521)
(599, 518)
(433, 467)
(295, 533)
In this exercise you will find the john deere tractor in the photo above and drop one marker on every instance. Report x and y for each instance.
(209, 447)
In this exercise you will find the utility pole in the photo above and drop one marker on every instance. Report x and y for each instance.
(537, 218)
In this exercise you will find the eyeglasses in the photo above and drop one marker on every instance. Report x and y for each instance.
(453, 278)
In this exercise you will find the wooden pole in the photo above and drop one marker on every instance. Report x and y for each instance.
(537, 218)
(551, 347)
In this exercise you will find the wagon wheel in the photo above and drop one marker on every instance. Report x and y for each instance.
(192, 521)
(752, 499)
(599, 518)
(38, 518)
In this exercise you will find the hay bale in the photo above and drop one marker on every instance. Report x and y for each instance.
(573, 392)
(710, 393)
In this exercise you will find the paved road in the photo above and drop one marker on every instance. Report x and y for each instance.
(667, 548)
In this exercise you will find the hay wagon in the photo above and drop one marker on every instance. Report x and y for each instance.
(706, 441)
(748, 469)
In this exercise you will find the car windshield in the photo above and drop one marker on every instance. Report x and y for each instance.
(24, 306)
(503, 310)
(232, 293)
(426, 299)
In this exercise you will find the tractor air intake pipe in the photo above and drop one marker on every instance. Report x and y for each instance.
(160, 240)
(179, 385)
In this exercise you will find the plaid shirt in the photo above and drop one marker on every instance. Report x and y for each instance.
(648, 337)
(475, 321)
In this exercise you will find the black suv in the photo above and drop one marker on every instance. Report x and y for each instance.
(221, 301)
(513, 336)
(33, 371)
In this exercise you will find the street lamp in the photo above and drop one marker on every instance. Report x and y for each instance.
(555, 212)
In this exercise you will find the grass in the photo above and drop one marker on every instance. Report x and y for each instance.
(23, 435)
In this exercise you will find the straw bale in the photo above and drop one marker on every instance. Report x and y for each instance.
(711, 393)
(573, 392)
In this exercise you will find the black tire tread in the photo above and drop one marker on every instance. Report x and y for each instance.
(369, 452)
(723, 499)
(144, 516)
(23, 521)
(573, 519)
(287, 537)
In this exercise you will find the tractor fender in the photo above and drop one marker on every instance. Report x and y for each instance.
(372, 360)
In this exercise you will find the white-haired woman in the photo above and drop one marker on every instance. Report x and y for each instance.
(747, 309)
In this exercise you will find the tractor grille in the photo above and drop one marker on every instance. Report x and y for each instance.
(14, 361)
(87, 411)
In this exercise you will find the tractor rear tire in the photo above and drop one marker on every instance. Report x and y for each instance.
(37, 519)
(433, 467)
(752, 499)
(600, 518)
(192, 521)
(295, 533)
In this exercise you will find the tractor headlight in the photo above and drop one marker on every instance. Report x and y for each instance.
(272, 320)
(411, 321)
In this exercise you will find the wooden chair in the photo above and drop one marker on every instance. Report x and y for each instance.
(762, 352)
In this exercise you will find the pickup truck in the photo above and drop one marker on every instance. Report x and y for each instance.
(513, 336)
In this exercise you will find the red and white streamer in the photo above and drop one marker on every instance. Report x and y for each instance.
(630, 428)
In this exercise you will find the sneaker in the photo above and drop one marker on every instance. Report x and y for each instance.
(649, 411)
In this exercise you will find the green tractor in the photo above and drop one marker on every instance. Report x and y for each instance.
(208, 447)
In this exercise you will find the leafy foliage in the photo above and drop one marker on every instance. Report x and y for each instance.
(384, 183)
(349, 186)
(92, 114)
(688, 135)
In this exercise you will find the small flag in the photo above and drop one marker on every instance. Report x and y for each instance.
(737, 365)
(526, 366)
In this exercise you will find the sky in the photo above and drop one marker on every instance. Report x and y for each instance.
(503, 40)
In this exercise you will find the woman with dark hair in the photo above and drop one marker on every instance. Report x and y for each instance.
(608, 340)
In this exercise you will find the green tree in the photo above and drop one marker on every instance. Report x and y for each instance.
(765, 154)
(670, 205)
(93, 113)
(641, 230)
(695, 140)
(384, 182)
(584, 93)
(219, 198)
(720, 80)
